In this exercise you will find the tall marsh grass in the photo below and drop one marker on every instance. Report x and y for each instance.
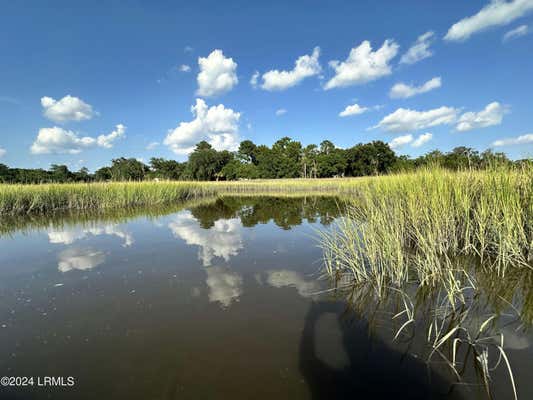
(32, 199)
(409, 227)
(462, 240)
(26, 199)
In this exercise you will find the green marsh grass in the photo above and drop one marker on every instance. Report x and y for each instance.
(28, 199)
(462, 240)
(408, 227)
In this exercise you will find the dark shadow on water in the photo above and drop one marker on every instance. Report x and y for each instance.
(375, 370)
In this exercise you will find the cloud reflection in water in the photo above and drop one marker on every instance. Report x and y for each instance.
(69, 236)
(223, 240)
(80, 259)
(282, 278)
(225, 286)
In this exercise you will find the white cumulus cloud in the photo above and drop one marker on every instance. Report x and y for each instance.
(218, 74)
(422, 139)
(354, 109)
(404, 119)
(57, 140)
(184, 68)
(403, 91)
(400, 141)
(304, 67)
(69, 108)
(217, 125)
(281, 111)
(363, 65)
(2, 152)
(495, 13)
(106, 141)
(516, 33)
(491, 115)
(403, 140)
(419, 50)
(528, 138)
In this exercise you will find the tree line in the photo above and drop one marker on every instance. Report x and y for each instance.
(286, 158)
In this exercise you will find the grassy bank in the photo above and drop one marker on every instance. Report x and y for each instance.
(409, 227)
(33, 199)
(29, 199)
(459, 190)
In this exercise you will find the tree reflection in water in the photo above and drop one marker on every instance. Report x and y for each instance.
(285, 212)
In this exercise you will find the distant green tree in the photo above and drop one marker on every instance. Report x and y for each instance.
(202, 162)
(492, 159)
(223, 158)
(265, 162)
(524, 163)
(330, 161)
(61, 173)
(370, 159)
(82, 175)
(327, 147)
(205, 163)
(247, 152)
(285, 156)
(103, 174)
(166, 169)
(236, 169)
(5, 175)
(403, 164)
(127, 169)
(461, 158)
(20, 175)
(248, 171)
(433, 158)
(384, 155)
(231, 171)
(310, 161)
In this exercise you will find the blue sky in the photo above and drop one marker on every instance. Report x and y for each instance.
(85, 82)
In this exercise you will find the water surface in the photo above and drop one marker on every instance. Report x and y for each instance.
(221, 299)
